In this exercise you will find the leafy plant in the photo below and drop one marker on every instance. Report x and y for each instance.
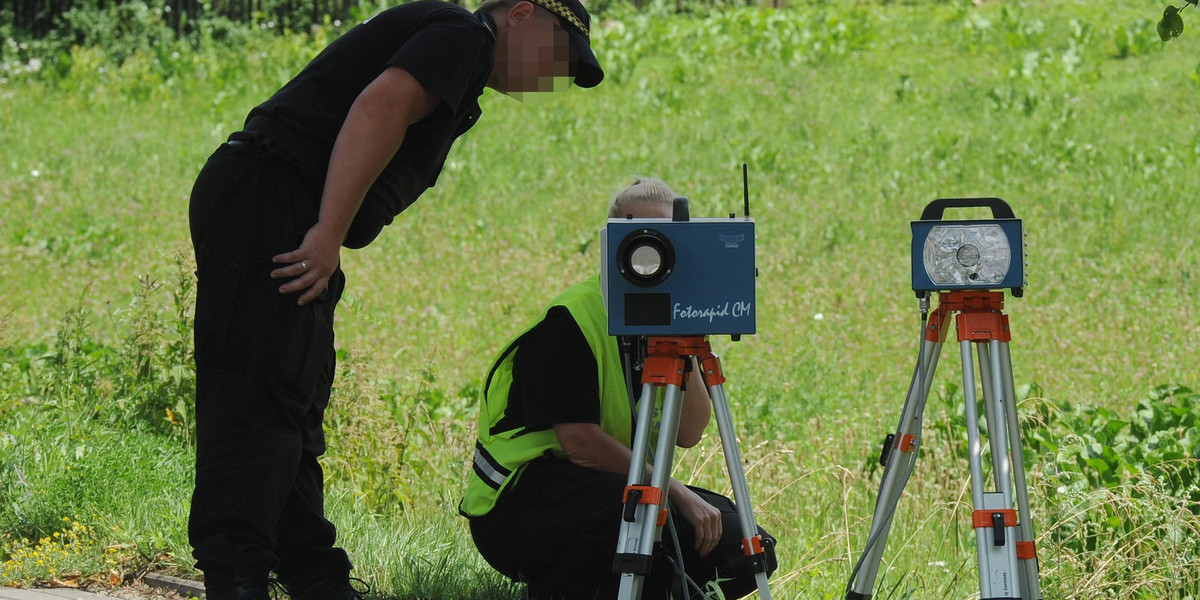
(70, 553)
(147, 381)
(156, 375)
(1101, 449)
(1171, 24)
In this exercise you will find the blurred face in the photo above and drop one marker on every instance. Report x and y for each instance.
(533, 56)
(651, 210)
(640, 209)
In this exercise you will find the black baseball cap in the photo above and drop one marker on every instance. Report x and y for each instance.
(575, 19)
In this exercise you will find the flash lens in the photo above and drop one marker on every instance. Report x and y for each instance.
(967, 255)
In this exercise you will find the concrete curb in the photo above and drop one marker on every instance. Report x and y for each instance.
(187, 587)
(7, 593)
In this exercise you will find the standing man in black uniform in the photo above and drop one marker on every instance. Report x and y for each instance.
(326, 162)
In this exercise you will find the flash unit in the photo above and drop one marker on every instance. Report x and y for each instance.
(969, 254)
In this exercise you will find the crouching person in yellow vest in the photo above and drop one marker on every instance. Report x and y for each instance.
(550, 467)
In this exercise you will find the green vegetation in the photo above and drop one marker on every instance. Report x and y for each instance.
(851, 117)
(1171, 25)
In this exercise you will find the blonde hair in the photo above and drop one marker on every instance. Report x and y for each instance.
(643, 191)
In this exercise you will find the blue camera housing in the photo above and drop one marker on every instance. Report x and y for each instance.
(706, 289)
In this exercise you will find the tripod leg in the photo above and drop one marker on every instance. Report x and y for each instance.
(993, 519)
(1026, 553)
(898, 457)
(993, 411)
(645, 505)
(751, 541)
(629, 540)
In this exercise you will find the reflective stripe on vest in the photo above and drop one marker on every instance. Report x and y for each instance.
(488, 468)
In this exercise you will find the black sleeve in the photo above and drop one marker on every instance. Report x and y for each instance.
(555, 374)
(447, 57)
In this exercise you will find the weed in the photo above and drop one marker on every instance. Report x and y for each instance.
(70, 553)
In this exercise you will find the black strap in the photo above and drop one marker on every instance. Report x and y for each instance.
(632, 351)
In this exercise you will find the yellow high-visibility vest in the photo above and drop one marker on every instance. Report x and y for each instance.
(501, 453)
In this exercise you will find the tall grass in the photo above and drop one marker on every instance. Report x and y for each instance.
(851, 118)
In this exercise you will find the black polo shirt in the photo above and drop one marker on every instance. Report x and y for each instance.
(555, 377)
(448, 49)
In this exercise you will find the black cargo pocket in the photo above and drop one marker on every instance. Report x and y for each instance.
(305, 353)
(218, 281)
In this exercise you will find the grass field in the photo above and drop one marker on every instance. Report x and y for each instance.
(851, 117)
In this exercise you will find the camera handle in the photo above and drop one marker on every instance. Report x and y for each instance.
(934, 210)
(665, 370)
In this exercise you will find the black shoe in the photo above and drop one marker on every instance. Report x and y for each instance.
(329, 589)
(235, 584)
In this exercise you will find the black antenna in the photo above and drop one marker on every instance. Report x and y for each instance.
(746, 188)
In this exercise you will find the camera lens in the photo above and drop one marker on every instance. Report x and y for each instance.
(645, 258)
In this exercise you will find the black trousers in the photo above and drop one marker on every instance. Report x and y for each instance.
(557, 529)
(264, 369)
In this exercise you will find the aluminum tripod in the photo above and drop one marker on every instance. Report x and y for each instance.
(668, 364)
(1003, 535)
